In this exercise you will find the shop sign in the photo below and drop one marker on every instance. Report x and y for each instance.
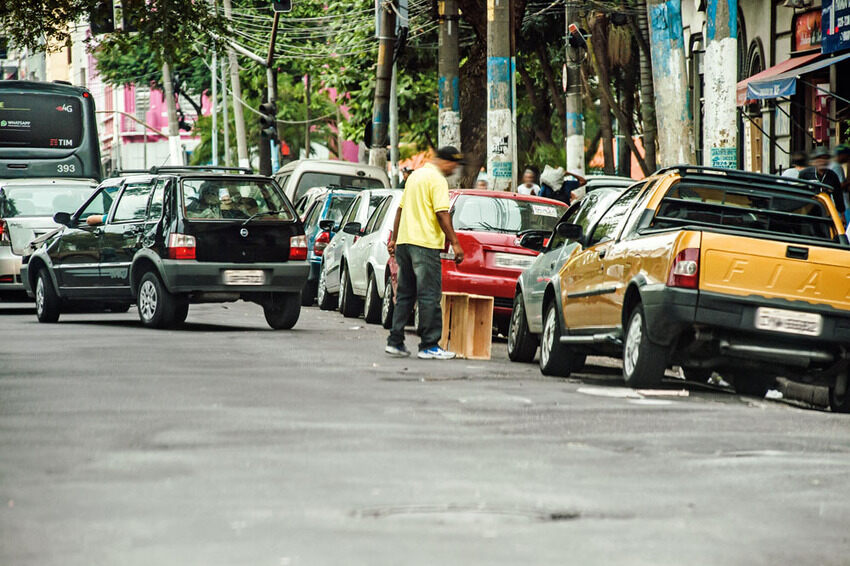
(807, 30)
(836, 25)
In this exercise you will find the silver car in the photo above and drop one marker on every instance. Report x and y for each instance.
(27, 207)
(527, 317)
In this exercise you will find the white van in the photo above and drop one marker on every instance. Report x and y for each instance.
(300, 176)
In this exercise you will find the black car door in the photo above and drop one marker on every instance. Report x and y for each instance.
(122, 237)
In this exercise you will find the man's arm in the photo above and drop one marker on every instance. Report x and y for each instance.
(445, 221)
(394, 235)
(581, 180)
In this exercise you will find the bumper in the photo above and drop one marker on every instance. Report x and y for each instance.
(192, 276)
(10, 270)
(501, 288)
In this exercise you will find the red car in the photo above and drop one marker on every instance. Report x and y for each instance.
(487, 224)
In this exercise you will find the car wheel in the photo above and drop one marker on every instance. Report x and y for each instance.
(522, 345)
(47, 301)
(578, 362)
(751, 383)
(643, 361)
(182, 311)
(387, 305)
(350, 305)
(308, 293)
(157, 307)
(839, 394)
(327, 301)
(283, 311)
(555, 358)
(373, 306)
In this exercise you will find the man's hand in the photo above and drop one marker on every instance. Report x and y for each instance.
(458, 251)
(391, 248)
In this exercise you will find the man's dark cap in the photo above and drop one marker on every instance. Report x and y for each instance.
(450, 153)
(820, 152)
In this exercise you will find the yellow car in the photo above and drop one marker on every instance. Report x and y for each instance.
(712, 270)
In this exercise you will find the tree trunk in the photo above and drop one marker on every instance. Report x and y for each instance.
(627, 103)
(175, 152)
(473, 122)
(555, 90)
(598, 23)
(541, 125)
(647, 91)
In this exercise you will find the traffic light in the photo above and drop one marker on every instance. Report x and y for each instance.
(101, 17)
(282, 5)
(268, 120)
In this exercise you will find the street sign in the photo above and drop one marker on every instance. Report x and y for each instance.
(282, 5)
(835, 23)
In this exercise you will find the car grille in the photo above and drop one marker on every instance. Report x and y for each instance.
(502, 302)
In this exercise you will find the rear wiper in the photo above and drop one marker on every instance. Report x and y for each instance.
(491, 228)
(257, 214)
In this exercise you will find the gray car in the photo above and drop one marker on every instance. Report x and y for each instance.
(527, 316)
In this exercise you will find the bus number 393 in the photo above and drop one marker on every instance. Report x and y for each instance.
(66, 168)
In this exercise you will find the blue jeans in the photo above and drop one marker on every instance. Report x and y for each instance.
(420, 281)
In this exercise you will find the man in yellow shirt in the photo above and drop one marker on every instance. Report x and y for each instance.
(422, 224)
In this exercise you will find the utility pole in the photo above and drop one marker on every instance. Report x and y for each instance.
(394, 129)
(500, 142)
(236, 91)
(213, 109)
(675, 124)
(721, 75)
(116, 131)
(448, 63)
(307, 143)
(380, 111)
(226, 118)
(575, 116)
(175, 152)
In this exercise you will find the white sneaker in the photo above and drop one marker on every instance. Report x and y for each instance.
(435, 353)
(397, 351)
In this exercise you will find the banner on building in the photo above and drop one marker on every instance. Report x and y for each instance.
(836, 25)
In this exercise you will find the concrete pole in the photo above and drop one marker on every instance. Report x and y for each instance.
(575, 116)
(381, 108)
(394, 129)
(675, 123)
(448, 65)
(500, 143)
(236, 91)
(226, 118)
(175, 152)
(116, 130)
(721, 75)
(307, 143)
(213, 109)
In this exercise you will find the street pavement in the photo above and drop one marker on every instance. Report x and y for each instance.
(227, 443)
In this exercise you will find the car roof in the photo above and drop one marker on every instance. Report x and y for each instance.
(505, 194)
(332, 166)
(42, 181)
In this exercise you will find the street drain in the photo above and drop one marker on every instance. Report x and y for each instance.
(456, 514)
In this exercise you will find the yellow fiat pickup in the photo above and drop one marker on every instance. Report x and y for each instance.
(711, 270)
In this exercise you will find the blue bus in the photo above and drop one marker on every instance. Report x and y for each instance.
(47, 130)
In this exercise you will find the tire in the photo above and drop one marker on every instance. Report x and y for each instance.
(308, 293)
(387, 305)
(372, 305)
(181, 312)
(555, 358)
(840, 403)
(644, 362)
(578, 362)
(157, 306)
(350, 305)
(522, 345)
(47, 301)
(752, 384)
(283, 311)
(326, 300)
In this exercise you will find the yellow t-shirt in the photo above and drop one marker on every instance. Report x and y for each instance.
(426, 193)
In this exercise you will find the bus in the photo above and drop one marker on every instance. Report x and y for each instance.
(47, 130)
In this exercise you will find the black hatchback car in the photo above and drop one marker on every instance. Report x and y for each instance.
(170, 238)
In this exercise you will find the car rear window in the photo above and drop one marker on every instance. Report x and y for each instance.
(493, 214)
(751, 210)
(225, 199)
(339, 204)
(42, 201)
(315, 179)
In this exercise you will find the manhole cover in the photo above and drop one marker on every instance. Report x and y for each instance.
(455, 514)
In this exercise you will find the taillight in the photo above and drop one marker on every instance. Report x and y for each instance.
(181, 246)
(298, 247)
(4, 232)
(321, 243)
(685, 270)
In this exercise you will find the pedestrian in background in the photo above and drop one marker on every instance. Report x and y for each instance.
(528, 186)
(820, 171)
(799, 161)
(842, 158)
(422, 225)
(482, 184)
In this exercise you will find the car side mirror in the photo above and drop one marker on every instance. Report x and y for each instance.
(569, 231)
(352, 228)
(63, 218)
(533, 241)
(327, 225)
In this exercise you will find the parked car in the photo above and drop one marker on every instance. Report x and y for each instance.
(711, 270)
(297, 177)
(364, 281)
(27, 207)
(527, 315)
(333, 276)
(170, 239)
(321, 223)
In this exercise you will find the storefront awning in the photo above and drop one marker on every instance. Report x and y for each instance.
(771, 73)
(784, 83)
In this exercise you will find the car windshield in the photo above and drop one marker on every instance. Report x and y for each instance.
(339, 204)
(315, 179)
(225, 199)
(42, 201)
(508, 215)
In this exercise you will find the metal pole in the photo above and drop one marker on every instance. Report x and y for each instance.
(116, 131)
(214, 110)
(575, 116)
(449, 92)
(236, 91)
(380, 111)
(500, 143)
(721, 117)
(394, 129)
(307, 146)
(225, 117)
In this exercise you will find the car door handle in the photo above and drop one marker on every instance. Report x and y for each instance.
(129, 233)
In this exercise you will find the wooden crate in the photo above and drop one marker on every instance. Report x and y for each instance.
(467, 325)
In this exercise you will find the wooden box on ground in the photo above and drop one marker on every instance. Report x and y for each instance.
(467, 325)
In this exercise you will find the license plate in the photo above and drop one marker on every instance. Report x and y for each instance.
(244, 277)
(512, 261)
(789, 322)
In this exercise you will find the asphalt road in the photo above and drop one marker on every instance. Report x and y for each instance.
(226, 443)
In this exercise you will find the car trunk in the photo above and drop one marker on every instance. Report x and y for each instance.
(238, 243)
(24, 229)
(486, 253)
(798, 272)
